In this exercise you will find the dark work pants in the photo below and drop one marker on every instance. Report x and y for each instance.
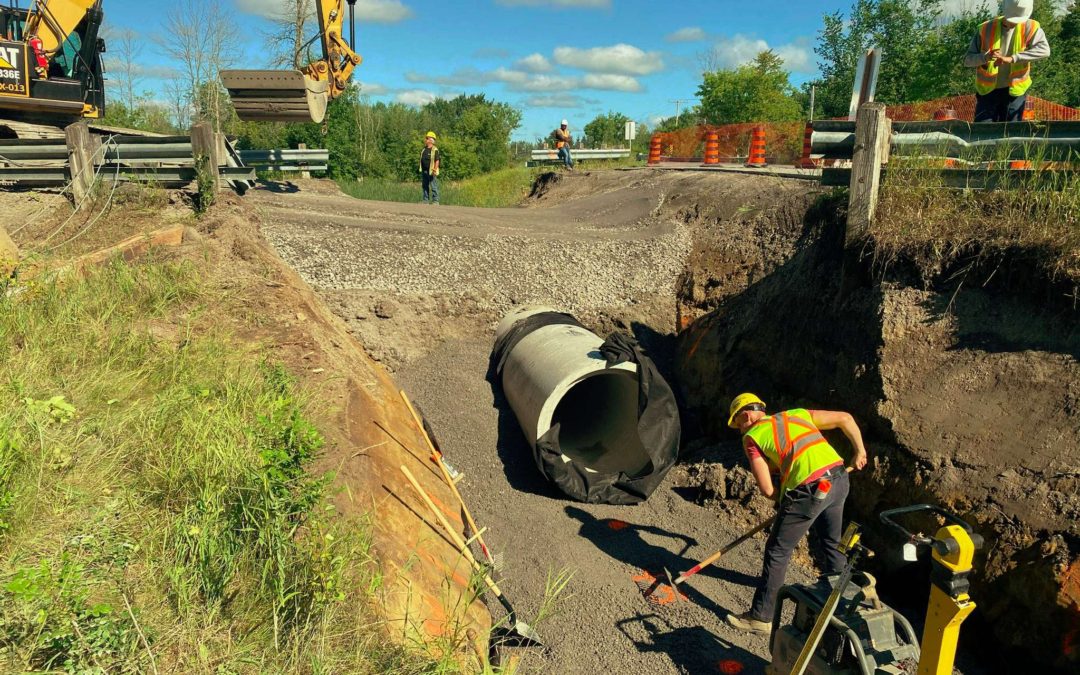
(798, 512)
(999, 106)
(431, 187)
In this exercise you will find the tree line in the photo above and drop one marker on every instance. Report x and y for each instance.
(922, 60)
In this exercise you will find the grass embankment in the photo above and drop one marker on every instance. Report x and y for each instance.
(499, 189)
(1034, 214)
(156, 511)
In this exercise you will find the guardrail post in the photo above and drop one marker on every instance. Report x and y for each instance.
(204, 145)
(305, 173)
(872, 132)
(9, 254)
(80, 160)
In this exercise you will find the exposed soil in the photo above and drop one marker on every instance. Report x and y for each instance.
(968, 394)
(400, 287)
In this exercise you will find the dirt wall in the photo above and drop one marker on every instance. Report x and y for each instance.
(968, 396)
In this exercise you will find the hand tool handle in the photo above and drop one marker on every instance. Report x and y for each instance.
(437, 457)
(455, 537)
(716, 556)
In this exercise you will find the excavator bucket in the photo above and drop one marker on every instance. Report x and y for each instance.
(276, 95)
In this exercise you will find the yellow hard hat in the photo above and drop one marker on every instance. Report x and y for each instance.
(740, 402)
(431, 135)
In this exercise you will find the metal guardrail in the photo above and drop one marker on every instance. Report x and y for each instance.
(1048, 141)
(584, 153)
(56, 176)
(965, 179)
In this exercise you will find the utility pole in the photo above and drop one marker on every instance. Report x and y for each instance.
(678, 105)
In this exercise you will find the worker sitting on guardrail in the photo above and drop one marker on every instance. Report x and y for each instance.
(562, 144)
(429, 168)
(1001, 53)
(812, 491)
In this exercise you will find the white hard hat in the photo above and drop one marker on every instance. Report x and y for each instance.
(564, 123)
(1017, 11)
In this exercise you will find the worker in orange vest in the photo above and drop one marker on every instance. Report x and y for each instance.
(562, 144)
(1001, 54)
(812, 490)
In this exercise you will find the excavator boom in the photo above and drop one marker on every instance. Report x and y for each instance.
(298, 95)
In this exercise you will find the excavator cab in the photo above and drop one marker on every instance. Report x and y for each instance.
(300, 95)
(50, 61)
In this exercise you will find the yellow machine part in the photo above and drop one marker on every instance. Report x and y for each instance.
(55, 20)
(945, 613)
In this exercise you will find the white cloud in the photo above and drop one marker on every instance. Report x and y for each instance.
(691, 34)
(416, 97)
(739, 49)
(621, 58)
(610, 82)
(115, 66)
(375, 11)
(373, 89)
(534, 63)
(554, 101)
(586, 4)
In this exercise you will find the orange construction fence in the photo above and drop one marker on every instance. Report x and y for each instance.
(783, 143)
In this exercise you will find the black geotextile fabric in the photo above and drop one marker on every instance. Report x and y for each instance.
(658, 423)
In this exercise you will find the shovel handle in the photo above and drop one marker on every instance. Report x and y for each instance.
(454, 536)
(716, 556)
(436, 456)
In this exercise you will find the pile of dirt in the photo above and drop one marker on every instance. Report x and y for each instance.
(968, 396)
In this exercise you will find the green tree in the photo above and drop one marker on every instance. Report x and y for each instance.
(606, 131)
(759, 91)
(1058, 77)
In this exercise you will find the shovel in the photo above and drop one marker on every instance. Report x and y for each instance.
(520, 631)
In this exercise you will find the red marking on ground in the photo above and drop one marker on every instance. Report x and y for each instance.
(656, 591)
(729, 666)
(617, 524)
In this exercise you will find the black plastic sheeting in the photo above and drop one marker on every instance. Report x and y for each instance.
(658, 422)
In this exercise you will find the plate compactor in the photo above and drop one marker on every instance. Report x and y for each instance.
(841, 627)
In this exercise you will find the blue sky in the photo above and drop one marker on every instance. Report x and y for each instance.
(549, 58)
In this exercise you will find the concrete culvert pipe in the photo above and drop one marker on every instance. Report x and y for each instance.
(553, 373)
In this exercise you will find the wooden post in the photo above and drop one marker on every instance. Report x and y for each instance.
(872, 140)
(204, 144)
(80, 160)
(305, 173)
(9, 254)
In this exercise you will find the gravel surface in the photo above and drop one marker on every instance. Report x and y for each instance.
(422, 288)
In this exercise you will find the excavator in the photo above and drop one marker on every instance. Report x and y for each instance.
(50, 66)
(51, 71)
(300, 95)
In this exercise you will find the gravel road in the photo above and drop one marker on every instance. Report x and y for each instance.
(422, 288)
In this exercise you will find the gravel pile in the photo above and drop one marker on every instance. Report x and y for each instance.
(569, 273)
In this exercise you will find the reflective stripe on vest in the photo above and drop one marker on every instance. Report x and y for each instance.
(793, 444)
(990, 34)
(431, 162)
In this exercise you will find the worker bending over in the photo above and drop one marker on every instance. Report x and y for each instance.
(813, 487)
(1001, 53)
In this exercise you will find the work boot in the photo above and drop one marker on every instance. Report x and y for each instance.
(745, 622)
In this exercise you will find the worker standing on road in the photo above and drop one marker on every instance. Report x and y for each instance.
(812, 490)
(429, 168)
(562, 144)
(1001, 53)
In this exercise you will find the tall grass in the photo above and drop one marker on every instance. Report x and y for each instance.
(1036, 211)
(504, 188)
(156, 509)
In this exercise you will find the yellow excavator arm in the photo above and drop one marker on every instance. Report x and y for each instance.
(299, 95)
(54, 20)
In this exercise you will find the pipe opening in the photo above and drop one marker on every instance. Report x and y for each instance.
(598, 418)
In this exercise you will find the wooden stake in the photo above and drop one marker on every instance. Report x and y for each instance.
(80, 160)
(872, 132)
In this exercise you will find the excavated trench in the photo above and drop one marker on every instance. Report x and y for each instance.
(968, 394)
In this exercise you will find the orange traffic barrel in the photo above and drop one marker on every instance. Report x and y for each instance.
(757, 148)
(1020, 165)
(1029, 111)
(942, 114)
(654, 149)
(712, 147)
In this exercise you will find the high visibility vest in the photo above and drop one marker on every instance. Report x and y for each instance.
(792, 443)
(431, 162)
(990, 34)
